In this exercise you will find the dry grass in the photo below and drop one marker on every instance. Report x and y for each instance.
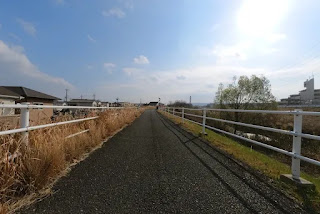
(48, 156)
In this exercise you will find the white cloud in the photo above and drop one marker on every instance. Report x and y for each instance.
(28, 27)
(228, 54)
(91, 39)
(164, 83)
(117, 12)
(17, 69)
(181, 77)
(141, 60)
(202, 82)
(128, 4)
(131, 71)
(109, 67)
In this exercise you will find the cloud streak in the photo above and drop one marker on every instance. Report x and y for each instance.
(109, 67)
(28, 27)
(116, 12)
(141, 60)
(91, 39)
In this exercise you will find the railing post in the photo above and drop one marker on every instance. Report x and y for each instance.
(182, 115)
(296, 145)
(173, 111)
(24, 123)
(204, 121)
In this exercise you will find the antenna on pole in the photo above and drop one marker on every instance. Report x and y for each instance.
(67, 94)
(117, 99)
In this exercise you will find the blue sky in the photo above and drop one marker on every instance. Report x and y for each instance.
(146, 49)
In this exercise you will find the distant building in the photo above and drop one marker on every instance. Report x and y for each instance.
(83, 102)
(153, 103)
(8, 97)
(115, 104)
(126, 104)
(34, 98)
(308, 96)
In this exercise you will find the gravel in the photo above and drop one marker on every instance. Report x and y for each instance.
(153, 166)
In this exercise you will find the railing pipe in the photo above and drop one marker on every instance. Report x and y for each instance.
(24, 106)
(204, 121)
(24, 123)
(296, 145)
(26, 129)
(182, 116)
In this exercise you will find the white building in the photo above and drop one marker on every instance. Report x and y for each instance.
(8, 97)
(308, 96)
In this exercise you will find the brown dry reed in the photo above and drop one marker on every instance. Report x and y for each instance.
(26, 172)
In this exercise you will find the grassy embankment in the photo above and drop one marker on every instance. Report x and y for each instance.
(50, 155)
(270, 167)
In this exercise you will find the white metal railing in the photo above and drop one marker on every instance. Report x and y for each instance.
(24, 118)
(296, 133)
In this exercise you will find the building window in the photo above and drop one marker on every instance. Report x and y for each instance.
(38, 104)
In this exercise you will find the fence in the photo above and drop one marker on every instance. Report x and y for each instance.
(296, 133)
(24, 118)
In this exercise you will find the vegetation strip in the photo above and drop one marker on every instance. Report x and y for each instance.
(268, 166)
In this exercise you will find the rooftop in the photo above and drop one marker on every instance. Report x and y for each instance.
(29, 93)
(7, 92)
(82, 101)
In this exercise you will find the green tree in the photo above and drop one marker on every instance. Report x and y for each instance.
(246, 93)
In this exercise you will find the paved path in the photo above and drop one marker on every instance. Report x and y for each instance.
(153, 166)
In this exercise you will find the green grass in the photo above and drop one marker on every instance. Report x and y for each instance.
(270, 167)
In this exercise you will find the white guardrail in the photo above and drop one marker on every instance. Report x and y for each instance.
(296, 133)
(24, 118)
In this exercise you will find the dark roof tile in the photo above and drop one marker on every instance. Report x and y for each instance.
(7, 92)
(29, 93)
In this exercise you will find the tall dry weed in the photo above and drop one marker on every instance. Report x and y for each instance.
(25, 170)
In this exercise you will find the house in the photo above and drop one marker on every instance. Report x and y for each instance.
(105, 104)
(34, 98)
(125, 104)
(8, 97)
(153, 103)
(83, 102)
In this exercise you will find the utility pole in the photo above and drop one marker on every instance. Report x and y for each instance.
(67, 94)
(81, 96)
(117, 99)
(94, 97)
(190, 100)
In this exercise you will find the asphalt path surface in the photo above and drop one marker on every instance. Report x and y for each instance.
(153, 166)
